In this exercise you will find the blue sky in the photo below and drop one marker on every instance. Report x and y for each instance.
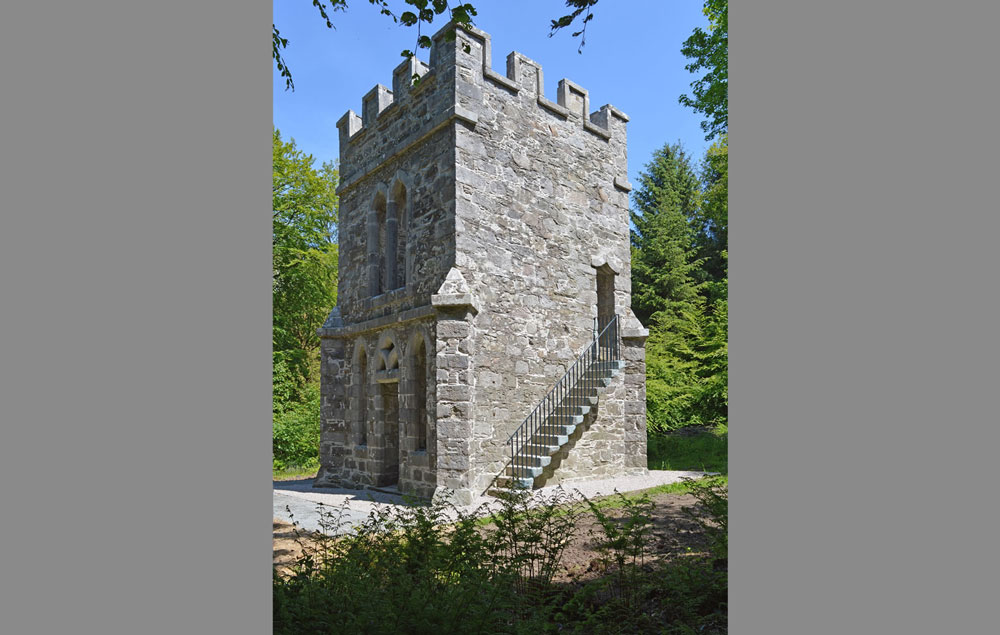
(632, 59)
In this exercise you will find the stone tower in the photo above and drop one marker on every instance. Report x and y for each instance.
(484, 241)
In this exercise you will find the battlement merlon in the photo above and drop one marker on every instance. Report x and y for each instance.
(524, 75)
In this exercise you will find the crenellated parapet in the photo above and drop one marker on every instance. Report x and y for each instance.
(420, 103)
(380, 98)
(425, 97)
(525, 76)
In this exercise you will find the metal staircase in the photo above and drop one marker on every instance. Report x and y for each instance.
(548, 428)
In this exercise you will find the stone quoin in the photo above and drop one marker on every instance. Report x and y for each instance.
(484, 238)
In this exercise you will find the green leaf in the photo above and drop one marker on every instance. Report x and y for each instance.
(304, 251)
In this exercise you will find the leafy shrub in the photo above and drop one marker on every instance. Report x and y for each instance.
(686, 596)
(427, 569)
(713, 512)
(529, 539)
(436, 569)
(624, 541)
(401, 572)
(295, 423)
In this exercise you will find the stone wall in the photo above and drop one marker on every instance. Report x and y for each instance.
(403, 142)
(542, 201)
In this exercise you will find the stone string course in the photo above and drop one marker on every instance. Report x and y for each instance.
(500, 207)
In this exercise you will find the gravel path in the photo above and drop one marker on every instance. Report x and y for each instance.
(306, 501)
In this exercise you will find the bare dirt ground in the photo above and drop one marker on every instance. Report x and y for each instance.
(675, 535)
(287, 546)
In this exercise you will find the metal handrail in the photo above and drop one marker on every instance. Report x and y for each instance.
(605, 347)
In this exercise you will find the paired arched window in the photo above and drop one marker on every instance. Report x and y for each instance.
(387, 232)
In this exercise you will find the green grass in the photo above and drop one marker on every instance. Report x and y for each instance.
(614, 501)
(294, 473)
(682, 487)
(704, 452)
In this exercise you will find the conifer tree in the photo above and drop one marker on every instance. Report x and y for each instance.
(664, 264)
(678, 225)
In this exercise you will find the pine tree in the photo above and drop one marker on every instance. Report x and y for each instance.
(664, 265)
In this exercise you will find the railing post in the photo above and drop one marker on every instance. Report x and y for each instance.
(618, 350)
(595, 351)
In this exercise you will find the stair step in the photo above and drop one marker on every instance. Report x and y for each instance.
(525, 472)
(565, 430)
(584, 400)
(562, 420)
(533, 460)
(517, 483)
(543, 445)
(555, 441)
(565, 409)
(606, 368)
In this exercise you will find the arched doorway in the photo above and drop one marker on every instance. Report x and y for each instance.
(387, 377)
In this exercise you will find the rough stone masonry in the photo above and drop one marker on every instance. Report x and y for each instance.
(483, 228)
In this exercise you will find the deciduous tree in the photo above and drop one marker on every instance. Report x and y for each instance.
(713, 217)
(304, 252)
(709, 51)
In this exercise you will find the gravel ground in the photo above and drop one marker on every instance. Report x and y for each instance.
(306, 501)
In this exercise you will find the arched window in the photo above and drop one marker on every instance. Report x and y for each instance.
(420, 393)
(395, 255)
(376, 245)
(361, 394)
